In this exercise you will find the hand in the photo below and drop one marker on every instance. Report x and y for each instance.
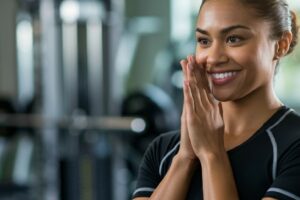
(204, 120)
(185, 151)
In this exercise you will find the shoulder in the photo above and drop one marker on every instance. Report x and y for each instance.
(286, 156)
(285, 135)
(167, 140)
(286, 129)
(162, 149)
(153, 166)
(164, 143)
(289, 119)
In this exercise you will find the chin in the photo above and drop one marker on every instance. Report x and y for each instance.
(222, 97)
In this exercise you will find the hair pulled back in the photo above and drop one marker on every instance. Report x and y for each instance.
(277, 12)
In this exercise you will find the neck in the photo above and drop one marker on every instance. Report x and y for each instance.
(251, 112)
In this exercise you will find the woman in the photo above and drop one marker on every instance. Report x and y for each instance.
(247, 146)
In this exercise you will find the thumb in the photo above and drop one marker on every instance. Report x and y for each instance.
(221, 109)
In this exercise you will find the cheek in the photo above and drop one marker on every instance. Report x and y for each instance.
(256, 65)
(241, 57)
(201, 56)
(262, 61)
(249, 58)
(252, 63)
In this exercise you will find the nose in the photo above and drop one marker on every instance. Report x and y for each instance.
(216, 55)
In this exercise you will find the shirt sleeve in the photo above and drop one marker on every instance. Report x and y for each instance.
(148, 175)
(286, 185)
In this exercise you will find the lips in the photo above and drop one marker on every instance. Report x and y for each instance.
(223, 78)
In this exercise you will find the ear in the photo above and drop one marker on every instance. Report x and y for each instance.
(283, 45)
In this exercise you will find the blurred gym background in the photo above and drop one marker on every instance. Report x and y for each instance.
(85, 85)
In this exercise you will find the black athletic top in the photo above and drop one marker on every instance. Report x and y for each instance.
(266, 165)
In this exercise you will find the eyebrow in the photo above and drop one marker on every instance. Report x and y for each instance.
(225, 30)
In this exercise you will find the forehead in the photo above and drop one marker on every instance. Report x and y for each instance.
(222, 13)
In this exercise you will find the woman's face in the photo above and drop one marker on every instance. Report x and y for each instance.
(235, 48)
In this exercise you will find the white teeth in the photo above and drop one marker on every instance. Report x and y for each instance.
(223, 75)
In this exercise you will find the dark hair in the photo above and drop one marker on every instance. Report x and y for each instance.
(277, 12)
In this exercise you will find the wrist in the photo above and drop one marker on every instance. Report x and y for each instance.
(213, 156)
(186, 155)
(184, 161)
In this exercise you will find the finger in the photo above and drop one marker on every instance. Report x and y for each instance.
(203, 76)
(194, 88)
(195, 71)
(184, 103)
(194, 67)
(191, 68)
(186, 90)
(209, 101)
(184, 64)
(221, 109)
(196, 95)
(188, 99)
(199, 84)
(183, 121)
(200, 75)
(202, 88)
(183, 115)
(206, 104)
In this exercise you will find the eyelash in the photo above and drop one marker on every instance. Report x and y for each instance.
(235, 37)
(200, 41)
(238, 38)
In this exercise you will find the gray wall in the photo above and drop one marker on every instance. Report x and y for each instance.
(150, 44)
(8, 79)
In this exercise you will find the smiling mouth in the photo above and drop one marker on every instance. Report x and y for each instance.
(222, 78)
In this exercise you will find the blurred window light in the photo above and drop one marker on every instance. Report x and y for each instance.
(182, 18)
(69, 11)
(294, 4)
(24, 39)
(145, 25)
(72, 11)
(181, 22)
(91, 10)
(138, 125)
(24, 153)
(196, 5)
(177, 79)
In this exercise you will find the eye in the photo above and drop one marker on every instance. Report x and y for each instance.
(234, 39)
(203, 42)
